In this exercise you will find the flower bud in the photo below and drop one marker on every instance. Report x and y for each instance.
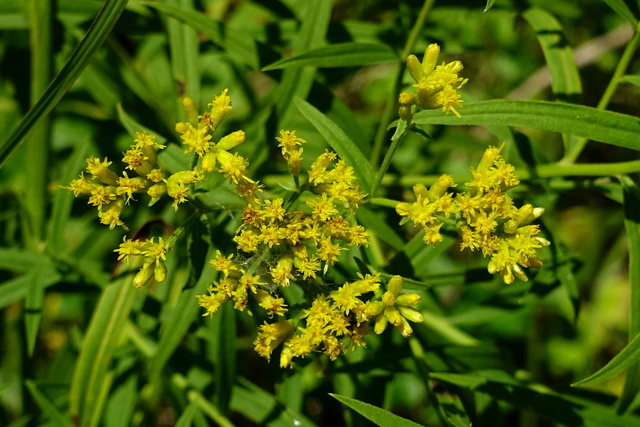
(380, 324)
(404, 328)
(430, 59)
(395, 285)
(160, 272)
(411, 314)
(181, 127)
(144, 275)
(232, 140)
(191, 110)
(415, 67)
(408, 299)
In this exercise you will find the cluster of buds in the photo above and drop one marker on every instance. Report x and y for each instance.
(436, 86)
(487, 221)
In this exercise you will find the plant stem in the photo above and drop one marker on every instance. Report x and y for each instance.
(395, 142)
(618, 73)
(390, 108)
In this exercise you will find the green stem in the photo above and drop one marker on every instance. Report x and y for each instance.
(40, 14)
(390, 108)
(386, 162)
(618, 73)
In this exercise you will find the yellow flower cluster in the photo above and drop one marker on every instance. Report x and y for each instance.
(110, 192)
(296, 241)
(488, 219)
(436, 86)
(197, 132)
(340, 320)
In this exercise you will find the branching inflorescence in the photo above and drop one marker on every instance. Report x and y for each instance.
(295, 240)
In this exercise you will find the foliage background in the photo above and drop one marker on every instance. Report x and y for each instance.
(81, 347)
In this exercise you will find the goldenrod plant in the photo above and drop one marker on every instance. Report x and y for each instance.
(313, 213)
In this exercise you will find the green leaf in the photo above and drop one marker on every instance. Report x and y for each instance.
(238, 45)
(548, 404)
(489, 5)
(224, 358)
(633, 79)
(632, 224)
(603, 126)
(97, 34)
(340, 142)
(101, 340)
(622, 10)
(46, 405)
(19, 260)
(297, 81)
(40, 278)
(184, 47)
(261, 407)
(565, 79)
(377, 415)
(338, 55)
(177, 320)
(186, 418)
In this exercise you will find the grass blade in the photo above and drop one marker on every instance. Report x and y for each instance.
(97, 34)
(340, 142)
(101, 340)
(603, 126)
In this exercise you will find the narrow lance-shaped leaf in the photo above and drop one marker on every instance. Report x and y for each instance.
(603, 126)
(563, 409)
(377, 415)
(631, 199)
(338, 55)
(622, 10)
(91, 43)
(565, 79)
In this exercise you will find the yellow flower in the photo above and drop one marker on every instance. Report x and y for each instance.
(436, 86)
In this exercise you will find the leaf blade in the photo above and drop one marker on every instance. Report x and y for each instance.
(377, 415)
(602, 126)
(90, 44)
(338, 55)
